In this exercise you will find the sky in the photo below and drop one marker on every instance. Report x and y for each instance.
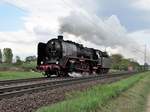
(117, 26)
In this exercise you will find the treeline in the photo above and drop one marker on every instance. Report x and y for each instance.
(6, 56)
(121, 63)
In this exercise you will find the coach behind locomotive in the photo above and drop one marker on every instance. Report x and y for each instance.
(61, 57)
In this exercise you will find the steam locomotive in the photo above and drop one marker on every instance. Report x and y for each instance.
(61, 57)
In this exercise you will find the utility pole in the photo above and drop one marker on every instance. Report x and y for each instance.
(145, 58)
(145, 53)
(105, 49)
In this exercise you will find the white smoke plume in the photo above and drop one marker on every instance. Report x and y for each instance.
(44, 18)
(106, 32)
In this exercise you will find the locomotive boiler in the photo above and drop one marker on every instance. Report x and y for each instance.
(61, 57)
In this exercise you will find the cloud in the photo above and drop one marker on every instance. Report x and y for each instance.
(17, 37)
(142, 4)
(77, 19)
(22, 43)
(108, 32)
(40, 21)
(102, 33)
(141, 37)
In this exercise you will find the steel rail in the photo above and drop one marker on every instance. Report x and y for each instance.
(9, 82)
(12, 91)
(19, 81)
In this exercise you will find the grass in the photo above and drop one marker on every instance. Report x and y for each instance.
(9, 75)
(29, 65)
(6, 65)
(93, 98)
(132, 100)
(24, 65)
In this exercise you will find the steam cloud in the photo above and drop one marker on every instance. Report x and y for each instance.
(108, 32)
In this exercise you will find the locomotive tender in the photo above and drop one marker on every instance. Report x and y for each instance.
(61, 57)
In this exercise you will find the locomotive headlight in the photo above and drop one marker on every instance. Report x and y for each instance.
(57, 62)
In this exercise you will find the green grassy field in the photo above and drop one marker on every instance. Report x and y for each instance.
(9, 75)
(30, 65)
(26, 66)
(132, 100)
(93, 98)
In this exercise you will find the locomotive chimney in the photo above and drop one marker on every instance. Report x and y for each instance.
(60, 37)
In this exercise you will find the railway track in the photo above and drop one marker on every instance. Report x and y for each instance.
(20, 87)
(9, 82)
(21, 81)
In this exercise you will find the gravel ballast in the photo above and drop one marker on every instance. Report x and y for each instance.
(31, 102)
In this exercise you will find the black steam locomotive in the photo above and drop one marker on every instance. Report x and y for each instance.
(61, 57)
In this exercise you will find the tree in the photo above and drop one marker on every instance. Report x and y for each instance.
(124, 64)
(18, 60)
(120, 63)
(116, 60)
(8, 55)
(0, 56)
(30, 58)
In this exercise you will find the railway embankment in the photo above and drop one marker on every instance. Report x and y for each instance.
(135, 99)
(31, 102)
(127, 95)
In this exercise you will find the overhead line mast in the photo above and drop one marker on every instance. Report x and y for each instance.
(145, 53)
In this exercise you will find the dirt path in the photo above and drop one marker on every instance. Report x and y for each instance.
(148, 105)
